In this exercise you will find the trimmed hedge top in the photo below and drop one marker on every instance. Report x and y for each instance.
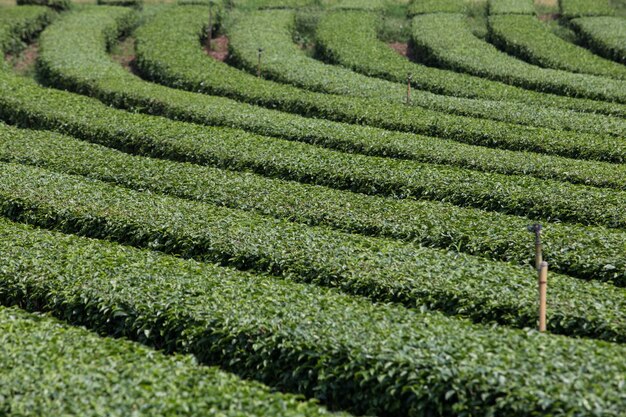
(349, 38)
(137, 4)
(605, 35)
(84, 36)
(346, 351)
(531, 40)
(54, 4)
(19, 25)
(52, 369)
(511, 7)
(396, 271)
(435, 6)
(577, 8)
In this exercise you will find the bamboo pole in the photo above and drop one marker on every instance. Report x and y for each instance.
(258, 67)
(536, 228)
(543, 290)
(538, 248)
(408, 88)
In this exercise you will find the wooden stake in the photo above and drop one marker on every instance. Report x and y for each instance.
(408, 88)
(209, 37)
(258, 67)
(543, 289)
(536, 228)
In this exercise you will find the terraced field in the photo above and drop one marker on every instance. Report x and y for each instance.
(312, 207)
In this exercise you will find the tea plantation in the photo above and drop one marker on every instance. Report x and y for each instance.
(312, 208)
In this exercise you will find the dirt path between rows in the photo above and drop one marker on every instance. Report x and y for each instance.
(400, 47)
(24, 62)
(219, 48)
(124, 54)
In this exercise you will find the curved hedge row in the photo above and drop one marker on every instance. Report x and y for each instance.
(272, 30)
(586, 252)
(83, 37)
(379, 269)
(350, 39)
(50, 368)
(284, 61)
(21, 24)
(376, 59)
(520, 195)
(529, 39)
(446, 40)
(577, 8)
(372, 5)
(168, 51)
(297, 338)
(436, 6)
(137, 4)
(54, 4)
(26, 111)
(271, 4)
(31, 105)
(305, 339)
(523, 7)
(605, 35)
(28, 104)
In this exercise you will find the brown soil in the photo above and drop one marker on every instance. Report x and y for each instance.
(124, 54)
(401, 48)
(219, 48)
(24, 62)
(548, 17)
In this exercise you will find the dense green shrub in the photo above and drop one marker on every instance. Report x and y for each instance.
(577, 8)
(284, 61)
(137, 4)
(435, 6)
(395, 271)
(295, 337)
(80, 116)
(355, 45)
(571, 249)
(371, 5)
(605, 35)
(446, 40)
(168, 51)
(529, 39)
(350, 39)
(87, 33)
(28, 104)
(417, 180)
(54, 4)
(20, 24)
(52, 369)
(376, 359)
(511, 7)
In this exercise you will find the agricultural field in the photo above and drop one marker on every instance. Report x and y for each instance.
(313, 208)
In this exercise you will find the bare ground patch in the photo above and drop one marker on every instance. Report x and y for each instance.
(219, 48)
(124, 54)
(400, 47)
(24, 62)
(404, 49)
(549, 17)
